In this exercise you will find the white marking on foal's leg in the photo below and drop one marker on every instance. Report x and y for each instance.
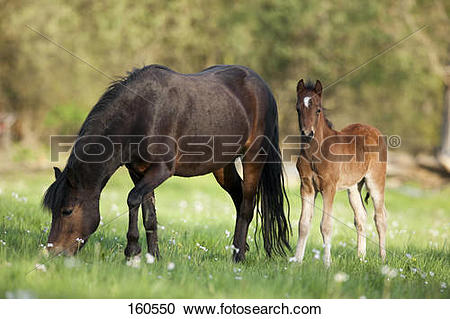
(380, 214)
(304, 225)
(326, 226)
(360, 218)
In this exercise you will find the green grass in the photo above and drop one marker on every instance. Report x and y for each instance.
(418, 224)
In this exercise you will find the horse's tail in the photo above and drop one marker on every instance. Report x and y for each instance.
(271, 192)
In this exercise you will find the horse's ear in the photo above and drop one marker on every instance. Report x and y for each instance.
(57, 172)
(300, 86)
(318, 88)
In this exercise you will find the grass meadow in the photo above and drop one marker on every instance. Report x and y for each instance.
(196, 224)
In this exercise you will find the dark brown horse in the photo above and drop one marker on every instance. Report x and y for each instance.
(167, 124)
(338, 160)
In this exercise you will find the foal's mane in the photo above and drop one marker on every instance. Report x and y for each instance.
(310, 86)
(100, 113)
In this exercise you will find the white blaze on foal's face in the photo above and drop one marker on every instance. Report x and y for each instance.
(306, 101)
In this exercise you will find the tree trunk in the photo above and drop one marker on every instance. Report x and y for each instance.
(444, 152)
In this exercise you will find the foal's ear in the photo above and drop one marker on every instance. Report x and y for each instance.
(57, 172)
(300, 86)
(318, 88)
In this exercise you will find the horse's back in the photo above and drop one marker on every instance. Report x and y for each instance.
(218, 101)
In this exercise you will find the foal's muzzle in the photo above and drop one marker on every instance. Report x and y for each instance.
(308, 133)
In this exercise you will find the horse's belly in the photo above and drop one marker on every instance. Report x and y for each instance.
(192, 169)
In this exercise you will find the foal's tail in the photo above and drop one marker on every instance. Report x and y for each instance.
(271, 190)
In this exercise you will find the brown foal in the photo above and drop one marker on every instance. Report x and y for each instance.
(333, 160)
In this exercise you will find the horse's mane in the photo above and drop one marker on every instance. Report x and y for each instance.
(55, 194)
(310, 86)
(114, 89)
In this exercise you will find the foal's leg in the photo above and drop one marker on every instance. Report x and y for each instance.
(308, 195)
(153, 177)
(326, 226)
(376, 189)
(360, 218)
(252, 174)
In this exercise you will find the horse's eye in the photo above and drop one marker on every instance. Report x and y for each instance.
(67, 212)
(318, 111)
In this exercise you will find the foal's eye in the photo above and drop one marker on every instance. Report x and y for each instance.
(318, 111)
(67, 212)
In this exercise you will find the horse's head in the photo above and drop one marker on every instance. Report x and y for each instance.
(309, 107)
(75, 213)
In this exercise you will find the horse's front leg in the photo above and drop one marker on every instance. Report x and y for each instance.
(326, 226)
(152, 178)
(133, 248)
(150, 224)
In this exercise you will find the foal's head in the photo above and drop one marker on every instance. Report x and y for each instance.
(309, 107)
(75, 213)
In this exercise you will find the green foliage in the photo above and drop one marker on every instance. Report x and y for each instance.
(64, 119)
(197, 211)
(283, 40)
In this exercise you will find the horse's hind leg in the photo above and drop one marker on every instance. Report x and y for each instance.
(252, 174)
(375, 185)
(360, 218)
(229, 180)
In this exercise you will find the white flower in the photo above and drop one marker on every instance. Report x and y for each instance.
(134, 262)
(202, 247)
(431, 274)
(227, 233)
(408, 256)
(292, 259)
(210, 276)
(170, 266)
(198, 206)
(183, 204)
(80, 240)
(341, 277)
(414, 270)
(49, 245)
(41, 267)
(232, 248)
(388, 272)
(443, 285)
(238, 278)
(149, 258)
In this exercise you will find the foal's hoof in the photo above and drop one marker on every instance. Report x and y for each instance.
(131, 251)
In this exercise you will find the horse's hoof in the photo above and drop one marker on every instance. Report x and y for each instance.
(131, 251)
(237, 258)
